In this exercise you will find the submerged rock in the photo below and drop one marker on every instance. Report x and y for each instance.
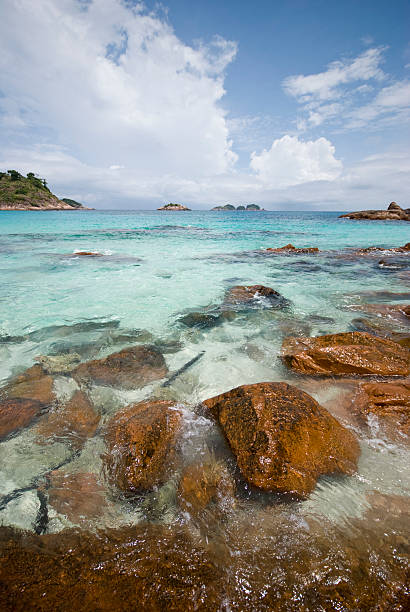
(59, 364)
(130, 368)
(254, 295)
(32, 384)
(17, 413)
(282, 438)
(389, 401)
(75, 421)
(206, 486)
(201, 320)
(356, 353)
(289, 248)
(78, 496)
(141, 444)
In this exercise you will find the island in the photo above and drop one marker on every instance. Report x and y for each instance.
(18, 192)
(394, 212)
(231, 207)
(173, 207)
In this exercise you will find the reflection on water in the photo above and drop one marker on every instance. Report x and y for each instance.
(202, 538)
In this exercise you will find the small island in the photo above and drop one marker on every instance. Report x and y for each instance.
(173, 207)
(18, 192)
(231, 207)
(394, 212)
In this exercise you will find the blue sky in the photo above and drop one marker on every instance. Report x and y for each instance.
(299, 104)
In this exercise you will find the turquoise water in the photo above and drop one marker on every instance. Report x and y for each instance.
(155, 267)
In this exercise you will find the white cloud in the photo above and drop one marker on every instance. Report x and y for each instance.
(326, 85)
(392, 103)
(115, 86)
(291, 161)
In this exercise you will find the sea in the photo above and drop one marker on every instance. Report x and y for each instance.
(148, 270)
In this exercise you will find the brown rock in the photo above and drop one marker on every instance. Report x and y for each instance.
(130, 368)
(74, 421)
(344, 354)
(205, 485)
(289, 248)
(389, 401)
(78, 496)
(282, 438)
(394, 213)
(141, 444)
(17, 413)
(246, 296)
(87, 254)
(32, 384)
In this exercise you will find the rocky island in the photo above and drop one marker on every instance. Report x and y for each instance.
(18, 192)
(231, 207)
(173, 207)
(394, 212)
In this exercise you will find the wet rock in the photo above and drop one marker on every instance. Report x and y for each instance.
(130, 368)
(200, 320)
(393, 213)
(78, 496)
(75, 421)
(141, 444)
(374, 249)
(59, 364)
(17, 413)
(282, 438)
(206, 486)
(350, 353)
(255, 295)
(289, 248)
(389, 401)
(87, 254)
(33, 384)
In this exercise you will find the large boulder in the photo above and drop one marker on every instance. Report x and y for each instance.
(32, 384)
(389, 401)
(282, 438)
(394, 212)
(74, 421)
(130, 368)
(255, 295)
(206, 486)
(17, 413)
(349, 353)
(141, 444)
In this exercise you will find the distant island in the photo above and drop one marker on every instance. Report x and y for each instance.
(394, 212)
(18, 192)
(173, 207)
(230, 207)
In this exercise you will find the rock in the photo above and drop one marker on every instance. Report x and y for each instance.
(78, 495)
(393, 213)
(389, 401)
(373, 249)
(226, 207)
(255, 295)
(59, 364)
(282, 438)
(87, 254)
(350, 353)
(17, 413)
(33, 384)
(130, 368)
(289, 248)
(75, 421)
(205, 486)
(201, 320)
(141, 444)
(173, 207)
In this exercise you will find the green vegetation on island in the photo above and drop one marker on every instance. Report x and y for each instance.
(231, 207)
(172, 206)
(18, 192)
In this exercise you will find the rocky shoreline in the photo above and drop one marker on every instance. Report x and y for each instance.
(393, 213)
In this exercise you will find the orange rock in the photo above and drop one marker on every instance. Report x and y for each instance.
(78, 496)
(32, 384)
(87, 254)
(390, 401)
(289, 248)
(74, 421)
(141, 444)
(130, 368)
(345, 354)
(17, 413)
(203, 485)
(282, 438)
(242, 295)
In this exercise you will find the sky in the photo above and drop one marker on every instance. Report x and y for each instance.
(290, 104)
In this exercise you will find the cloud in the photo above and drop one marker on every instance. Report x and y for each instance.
(326, 85)
(392, 103)
(113, 85)
(291, 161)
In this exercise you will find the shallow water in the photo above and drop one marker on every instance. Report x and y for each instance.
(154, 268)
